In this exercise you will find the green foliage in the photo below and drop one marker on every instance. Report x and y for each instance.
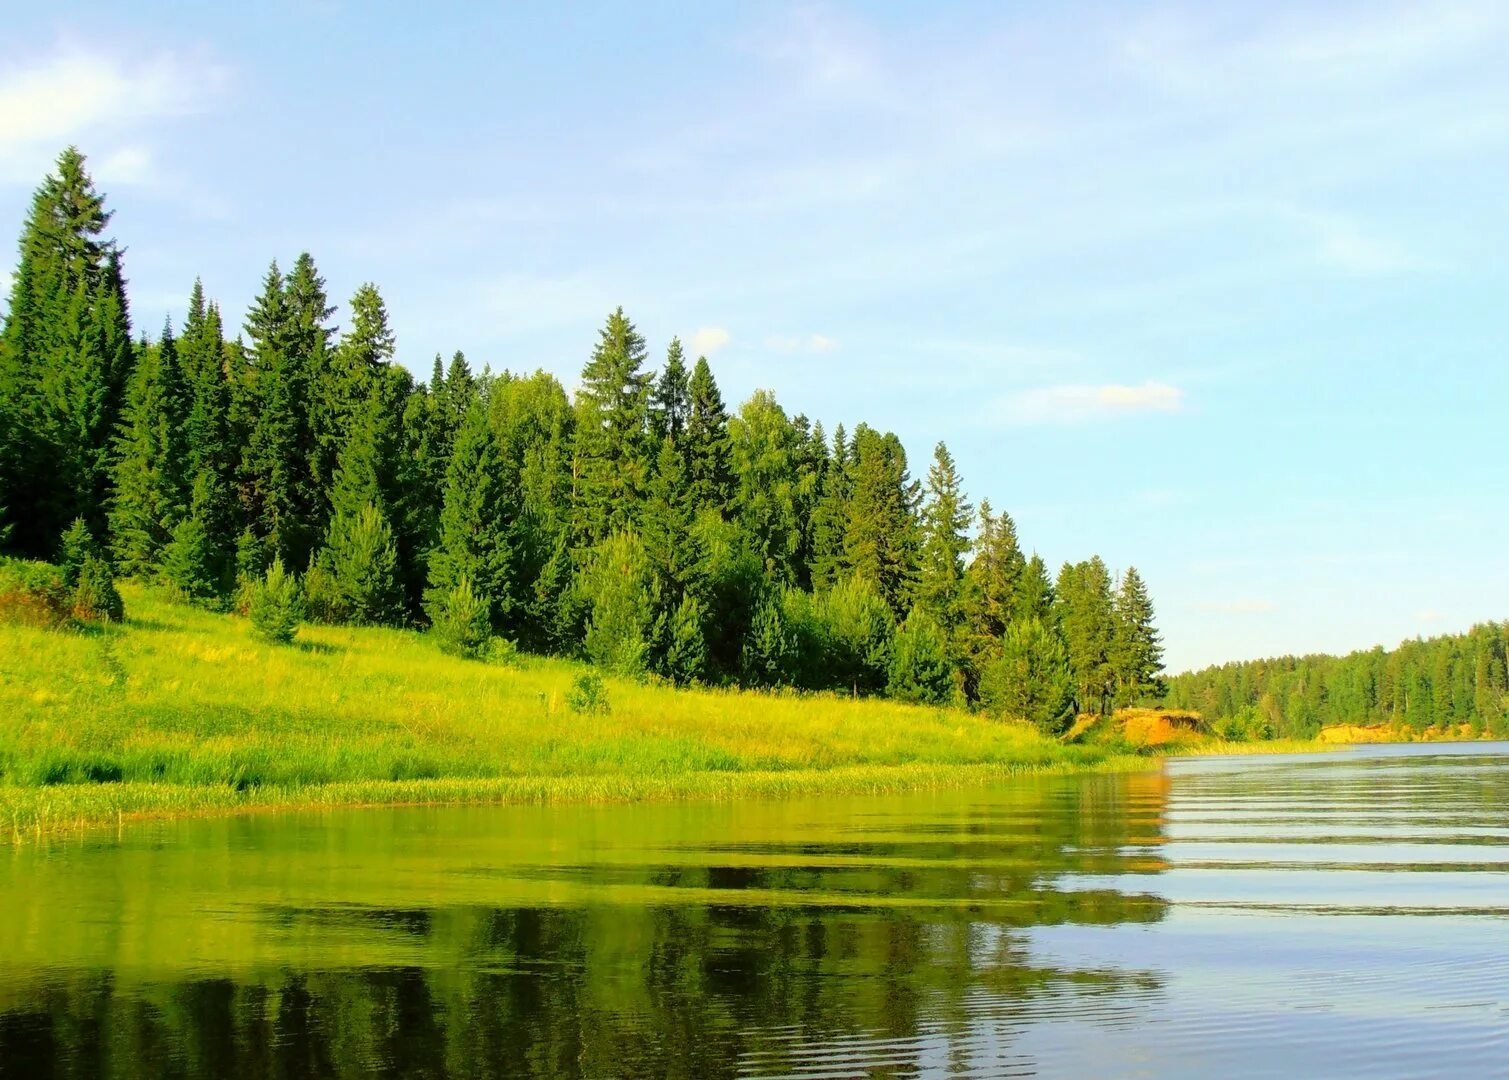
(920, 669)
(277, 605)
(1031, 679)
(685, 658)
(611, 455)
(1451, 684)
(589, 695)
(188, 565)
(95, 597)
(77, 547)
(362, 559)
(151, 491)
(857, 626)
(1136, 651)
(474, 540)
(460, 622)
(34, 593)
(1087, 618)
(880, 538)
(619, 590)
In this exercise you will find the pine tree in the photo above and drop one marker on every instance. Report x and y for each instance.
(473, 531)
(763, 452)
(1034, 598)
(707, 450)
(1030, 679)
(1087, 617)
(272, 466)
(611, 460)
(671, 402)
(945, 543)
(921, 669)
(361, 557)
(685, 657)
(207, 436)
(151, 489)
(65, 356)
(1136, 652)
(830, 518)
(880, 538)
(198, 561)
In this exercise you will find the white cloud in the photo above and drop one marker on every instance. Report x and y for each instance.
(1069, 404)
(78, 93)
(128, 165)
(708, 339)
(810, 343)
(1430, 615)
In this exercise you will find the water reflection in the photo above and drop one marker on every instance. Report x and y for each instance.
(1343, 915)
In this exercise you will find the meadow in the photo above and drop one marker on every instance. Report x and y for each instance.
(181, 711)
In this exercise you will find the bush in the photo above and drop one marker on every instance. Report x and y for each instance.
(95, 598)
(277, 606)
(588, 695)
(322, 597)
(33, 593)
(502, 652)
(460, 621)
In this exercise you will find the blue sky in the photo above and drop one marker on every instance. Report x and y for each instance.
(1216, 291)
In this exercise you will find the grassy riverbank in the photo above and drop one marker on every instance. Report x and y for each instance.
(180, 711)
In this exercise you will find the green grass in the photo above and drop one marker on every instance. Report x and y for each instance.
(180, 711)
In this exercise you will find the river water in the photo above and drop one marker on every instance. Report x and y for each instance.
(1337, 915)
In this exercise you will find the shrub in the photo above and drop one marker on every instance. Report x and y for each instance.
(502, 652)
(33, 593)
(95, 598)
(686, 646)
(588, 695)
(323, 602)
(277, 606)
(460, 621)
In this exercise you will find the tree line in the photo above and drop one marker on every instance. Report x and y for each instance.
(637, 522)
(1447, 683)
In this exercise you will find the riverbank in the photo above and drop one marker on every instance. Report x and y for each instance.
(180, 711)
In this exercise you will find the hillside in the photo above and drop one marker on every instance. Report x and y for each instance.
(180, 711)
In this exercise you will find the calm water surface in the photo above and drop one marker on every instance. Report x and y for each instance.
(1337, 915)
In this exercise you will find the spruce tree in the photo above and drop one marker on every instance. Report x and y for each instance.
(763, 452)
(473, 530)
(945, 543)
(1136, 653)
(1034, 598)
(880, 538)
(921, 669)
(151, 488)
(707, 451)
(1087, 617)
(671, 401)
(611, 458)
(830, 518)
(65, 356)
(1030, 678)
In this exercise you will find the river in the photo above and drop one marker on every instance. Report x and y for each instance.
(1341, 915)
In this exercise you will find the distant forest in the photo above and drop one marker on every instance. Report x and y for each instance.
(637, 523)
(1444, 683)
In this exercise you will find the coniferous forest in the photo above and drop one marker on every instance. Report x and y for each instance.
(640, 523)
(1452, 684)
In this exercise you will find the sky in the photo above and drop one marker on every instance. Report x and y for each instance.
(1217, 291)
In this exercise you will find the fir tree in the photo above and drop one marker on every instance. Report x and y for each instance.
(1136, 653)
(921, 669)
(151, 489)
(1087, 618)
(671, 401)
(1034, 597)
(611, 462)
(1030, 679)
(707, 451)
(830, 517)
(473, 534)
(945, 543)
(880, 539)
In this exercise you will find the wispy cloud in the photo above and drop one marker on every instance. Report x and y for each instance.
(1069, 404)
(74, 93)
(707, 340)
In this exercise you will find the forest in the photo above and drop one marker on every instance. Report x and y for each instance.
(296, 470)
(1454, 684)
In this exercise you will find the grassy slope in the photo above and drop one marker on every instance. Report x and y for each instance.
(181, 711)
